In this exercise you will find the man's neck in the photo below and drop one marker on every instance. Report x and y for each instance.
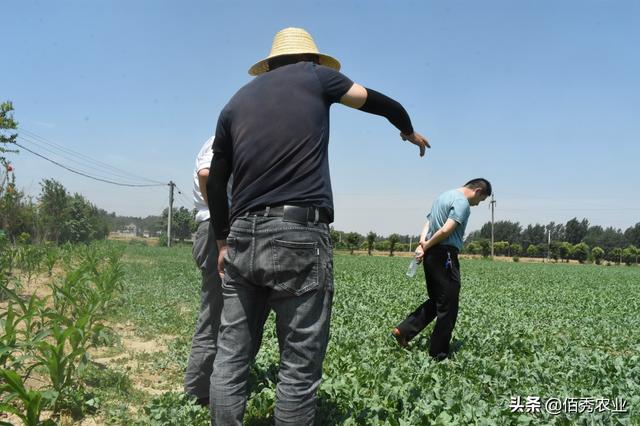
(468, 193)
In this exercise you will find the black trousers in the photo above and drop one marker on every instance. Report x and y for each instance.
(443, 289)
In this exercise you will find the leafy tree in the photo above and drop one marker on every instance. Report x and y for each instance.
(371, 240)
(336, 236)
(9, 197)
(611, 238)
(557, 231)
(503, 230)
(473, 247)
(564, 250)
(353, 241)
(68, 218)
(473, 236)
(76, 226)
(615, 255)
(629, 255)
(632, 235)
(183, 223)
(382, 245)
(402, 247)
(485, 248)
(581, 252)
(501, 248)
(82, 222)
(575, 231)
(18, 215)
(533, 234)
(53, 208)
(393, 240)
(598, 254)
(554, 250)
(543, 249)
(532, 250)
(6, 138)
(594, 236)
(606, 238)
(516, 249)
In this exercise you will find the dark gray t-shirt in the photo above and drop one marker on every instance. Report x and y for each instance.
(275, 130)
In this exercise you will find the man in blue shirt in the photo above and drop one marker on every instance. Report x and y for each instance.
(440, 243)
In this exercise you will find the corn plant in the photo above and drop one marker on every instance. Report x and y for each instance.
(30, 258)
(8, 339)
(7, 256)
(32, 313)
(51, 257)
(13, 389)
(61, 357)
(37, 338)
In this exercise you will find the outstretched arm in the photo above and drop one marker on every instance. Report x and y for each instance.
(368, 100)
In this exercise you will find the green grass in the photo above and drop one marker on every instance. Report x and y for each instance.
(546, 330)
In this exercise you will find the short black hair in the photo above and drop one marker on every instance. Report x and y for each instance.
(481, 183)
(280, 61)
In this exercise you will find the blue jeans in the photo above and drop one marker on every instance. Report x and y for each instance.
(287, 266)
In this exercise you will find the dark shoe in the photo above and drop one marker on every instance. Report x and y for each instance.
(402, 341)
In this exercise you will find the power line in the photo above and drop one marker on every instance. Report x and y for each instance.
(182, 196)
(106, 167)
(83, 166)
(100, 164)
(85, 174)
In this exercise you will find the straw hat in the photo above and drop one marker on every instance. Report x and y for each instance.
(292, 41)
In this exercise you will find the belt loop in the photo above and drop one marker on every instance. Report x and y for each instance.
(317, 218)
(266, 211)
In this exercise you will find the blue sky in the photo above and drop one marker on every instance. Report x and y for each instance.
(541, 97)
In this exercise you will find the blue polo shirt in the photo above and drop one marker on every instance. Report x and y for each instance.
(451, 204)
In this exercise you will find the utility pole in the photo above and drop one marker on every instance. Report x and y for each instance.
(171, 186)
(493, 205)
(549, 246)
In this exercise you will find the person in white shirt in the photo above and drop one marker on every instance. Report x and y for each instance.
(205, 254)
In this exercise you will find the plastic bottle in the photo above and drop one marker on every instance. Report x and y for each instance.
(413, 267)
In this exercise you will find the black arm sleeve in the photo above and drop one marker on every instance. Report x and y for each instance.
(379, 104)
(219, 173)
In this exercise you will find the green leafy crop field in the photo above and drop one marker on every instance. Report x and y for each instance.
(536, 343)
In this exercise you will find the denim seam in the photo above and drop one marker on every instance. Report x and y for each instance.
(253, 248)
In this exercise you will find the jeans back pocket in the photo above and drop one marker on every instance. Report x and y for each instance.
(296, 265)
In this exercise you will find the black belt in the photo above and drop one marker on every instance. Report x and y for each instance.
(296, 214)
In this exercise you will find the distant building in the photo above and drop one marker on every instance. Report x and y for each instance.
(129, 231)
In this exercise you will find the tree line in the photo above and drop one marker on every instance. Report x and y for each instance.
(575, 239)
(354, 241)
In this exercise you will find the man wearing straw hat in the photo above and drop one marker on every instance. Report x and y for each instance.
(273, 136)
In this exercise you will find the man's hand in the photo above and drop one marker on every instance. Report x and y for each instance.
(422, 247)
(417, 139)
(222, 251)
(419, 254)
